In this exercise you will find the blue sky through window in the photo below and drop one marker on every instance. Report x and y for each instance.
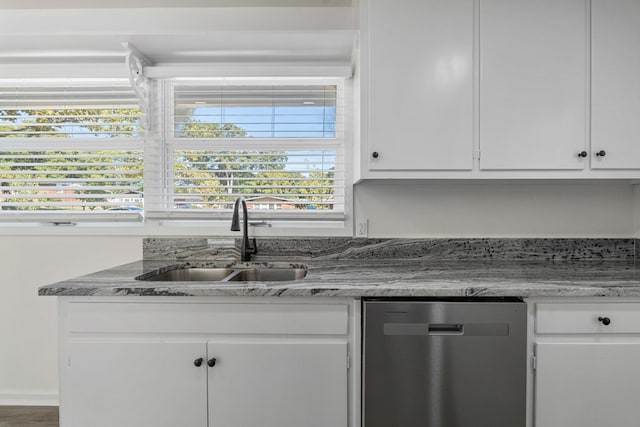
(270, 122)
(305, 121)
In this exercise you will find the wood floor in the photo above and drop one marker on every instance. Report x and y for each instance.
(29, 416)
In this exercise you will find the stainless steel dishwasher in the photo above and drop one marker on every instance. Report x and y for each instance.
(451, 363)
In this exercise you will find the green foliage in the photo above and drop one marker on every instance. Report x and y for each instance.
(69, 179)
(227, 170)
(203, 179)
(49, 123)
(192, 128)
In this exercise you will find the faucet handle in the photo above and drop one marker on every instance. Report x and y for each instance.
(254, 247)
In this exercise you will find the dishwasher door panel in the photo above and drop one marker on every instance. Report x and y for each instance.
(444, 364)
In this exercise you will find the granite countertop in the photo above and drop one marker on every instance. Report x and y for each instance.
(380, 278)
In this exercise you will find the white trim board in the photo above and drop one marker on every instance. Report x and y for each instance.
(29, 398)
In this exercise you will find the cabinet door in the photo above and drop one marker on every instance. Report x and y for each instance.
(135, 384)
(587, 385)
(615, 93)
(420, 93)
(290, 383)
(533, 84)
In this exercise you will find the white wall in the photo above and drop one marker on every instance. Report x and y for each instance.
(498, 209)
(28, 334)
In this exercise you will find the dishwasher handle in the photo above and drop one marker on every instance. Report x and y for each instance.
(445, 329)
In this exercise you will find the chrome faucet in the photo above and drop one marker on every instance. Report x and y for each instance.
(247, 250)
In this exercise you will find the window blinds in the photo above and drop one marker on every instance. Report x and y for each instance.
(268, 179)
(71, 146)
(255, 111)
(278, 145)
(73, 149)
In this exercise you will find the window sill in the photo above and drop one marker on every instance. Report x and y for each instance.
(153, 228)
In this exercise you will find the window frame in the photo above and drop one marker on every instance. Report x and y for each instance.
(90, 86)
(155, 178)
(159, 209)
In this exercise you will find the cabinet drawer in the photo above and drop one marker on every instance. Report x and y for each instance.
(208, 318)
(583, 318)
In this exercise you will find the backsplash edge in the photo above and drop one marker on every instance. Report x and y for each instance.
(337, 248)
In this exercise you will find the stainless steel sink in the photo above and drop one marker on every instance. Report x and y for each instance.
(191, 274)
(227, 274)
(267, 275)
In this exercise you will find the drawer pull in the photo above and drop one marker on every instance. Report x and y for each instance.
(604, 320)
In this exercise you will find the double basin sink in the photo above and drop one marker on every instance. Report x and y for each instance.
(225, 274)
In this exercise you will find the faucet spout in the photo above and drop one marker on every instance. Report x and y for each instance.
(247, 249)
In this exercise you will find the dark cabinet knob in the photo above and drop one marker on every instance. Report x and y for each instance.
(601, 153)
(583, 154)
(375, 154)
(604, 320)
(198, 362)
(211, 362)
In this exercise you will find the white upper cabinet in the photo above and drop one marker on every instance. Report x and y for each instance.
(499, 89)
(417, 85)
(615, 93)
(533, 84)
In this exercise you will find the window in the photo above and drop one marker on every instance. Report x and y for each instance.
(70, 149)
(279, 144)
(73, 150)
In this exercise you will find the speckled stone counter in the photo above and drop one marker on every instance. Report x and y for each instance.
(385, 268)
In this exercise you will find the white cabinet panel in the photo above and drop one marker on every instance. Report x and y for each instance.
(289, 383)
(420, 89)
(588, 318)
(615, 95)
(587, 385)
(533, 84)
(134, 384)
(172, 317)
(278, 364)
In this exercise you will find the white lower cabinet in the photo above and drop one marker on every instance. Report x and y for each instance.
(581, 384)
(119, 383)
(586, 363)
(253, 367)
(282, 383)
